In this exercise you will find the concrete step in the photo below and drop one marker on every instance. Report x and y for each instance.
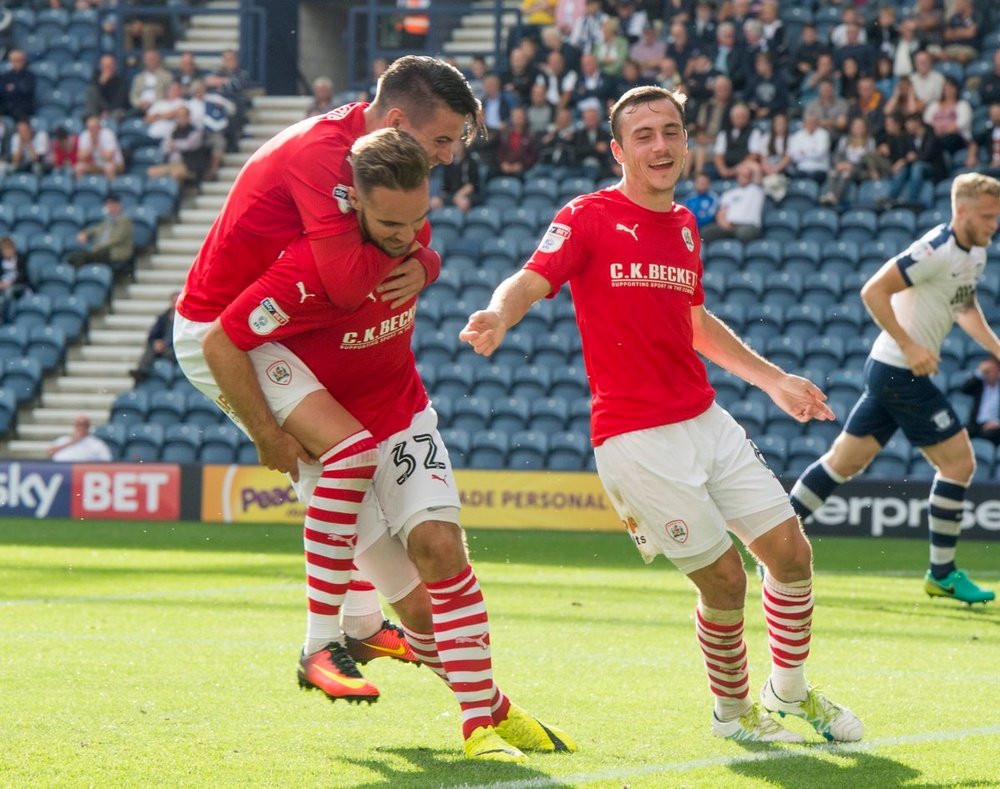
(282, 102)
(210, 188)
(267, 130)
(137, 323)
(202, 49)
(154, 293)
(143, 306)
(209, 201)
(20, 449)
(127, 338)
(181, 246)
(105, 353)
(206, 62)
(474, 47)
(174, 277)
(214, 33)
(118, 368)
(68, 401)
(472, 35)
(195, 233)
(89, 384)
(249, 145)
(238, 157)
(214, 20)
(63, 417)
(199, 216)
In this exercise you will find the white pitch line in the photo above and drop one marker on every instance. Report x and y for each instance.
(726, 761)
(149, 595)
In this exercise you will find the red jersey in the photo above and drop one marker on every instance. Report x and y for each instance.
(295, 183)
(634, 275)
(363, 358)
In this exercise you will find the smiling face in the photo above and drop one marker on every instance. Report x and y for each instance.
(391, 218)
(651, 145)
(436, 136)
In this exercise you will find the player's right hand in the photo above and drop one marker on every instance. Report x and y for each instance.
(282, 452)
(921, 361)
(484, 332)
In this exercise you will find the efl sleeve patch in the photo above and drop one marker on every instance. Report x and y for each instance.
(267, 317)
(554, 238)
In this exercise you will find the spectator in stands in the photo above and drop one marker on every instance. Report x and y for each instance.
(883, 32)
(856, 49)
(161, 117)
(962, 33)
(17, 87)
(906, 48)
(703, 202)
(667, 76)
(984, 388)
(929, 21)
(232, 83)
(592, 83)
(517, 149)
(851, 162)
(741, 209)
(63, 152)
(540, 112)
(552, 41)
(739, 14)
(322, 97)
(766, 91)
(184, 151)
(187, 73)
(950, 117)
(772, 29)
(984, 148)
(771, 148)
(537, 15)
(496, 116)
(107, 93)
(680, 45)
(567, 12)
(586, 33)
(98, 150)
(378, 67)
(520, 75)
(850, 73)
(612, 50)
(593, 142)
(703, 27)
(211, 118)
(649, 50)
(475, 76)
(631, 20)
(927, 83)
(159, 342)
(826, 70)
(459, 181)
(29, 148)
(989, 85)
(559, 83)
(805, 54)
(891, 146)
(869, 104)
(699, 78)
(630, 78)
(830, 108)
(809, 150)
(80, 446)
(752, 44)
(112, 240)
(885, 80)
(726, 58)
(149, 32)
(903, 102)
(13, 270)
(558, 146)
(709, 120)
(839, 36)
(732, 144)
(150, 84)
(924, 162)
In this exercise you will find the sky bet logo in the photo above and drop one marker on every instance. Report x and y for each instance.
(34, 489)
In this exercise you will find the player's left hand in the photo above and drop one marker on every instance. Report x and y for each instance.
(403, 283)
(801, 399)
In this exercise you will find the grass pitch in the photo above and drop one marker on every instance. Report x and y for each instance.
(149, 654)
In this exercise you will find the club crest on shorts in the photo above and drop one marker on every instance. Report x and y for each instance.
(676, 530)
(941, 419)
(688, 238)
(342, 195)
(554, 238)
(267, 317)
(280, 373)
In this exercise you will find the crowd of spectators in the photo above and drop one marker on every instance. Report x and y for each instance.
(880, 92)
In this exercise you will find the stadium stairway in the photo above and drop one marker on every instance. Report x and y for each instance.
(475, 33)
(97, 371)
(207, 34)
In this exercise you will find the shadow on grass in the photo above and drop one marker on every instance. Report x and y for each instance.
(427, 767)
(846, 768)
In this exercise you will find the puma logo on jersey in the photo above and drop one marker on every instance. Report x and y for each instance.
(303, 294)
(630, 230)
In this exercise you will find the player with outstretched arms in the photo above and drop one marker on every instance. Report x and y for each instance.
(679, 470)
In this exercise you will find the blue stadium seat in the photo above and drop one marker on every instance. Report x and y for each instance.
(872, 194)
(801, 256)
(166, 407)
(531, 382)
(55, 190)
(20, 189)
(774, 448)
(985, 453)
(764, 321)
(471, 414)
(90, 192)
(200, 411)
(503, 192)
(181, 443)
(113, 435)
(856, 349)
(72, 315)
(23, 377)
(56, 280)
(477, 285)
(32, 310)
(952, 355)
(574, 186)
(931, 218)
(144, 221)
(516, 350)
(143, 443)
(550, 350)
(892, 462)
(161, 196)
(804, 320)
(802, 195)
(841, 256)
(725, 249)
(845, 383)
(450, 280)
(570, 383)
(457, 443)
(766, 250)
(74, 76)
(487, 450)
(519, 216)
(528, 450)
(93, 284)
(549, 415)
(454, 380)
(820, 224)
(509, 415)
(568, 451)
(729, 388)
(8, 412)
(803, 451)
(481, 223)
(65, 221)
(13, 341)
(745, 288)
(787, 351)
(781, 225)
(733, 315)
(714, 285)
(47, 344)
(579, 416)
(435, 349)
(455, 315)
(781, 424)
(499, 255)
(824, 353)
(858, 224)
(783, 288)
(751, 414)
(491, 382)
(219, 443)
(823, 289)
(902, 219)
(130, 407)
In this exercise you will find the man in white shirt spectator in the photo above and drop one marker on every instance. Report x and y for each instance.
(98, 150)
(29, 148)
(741, 209)
(80, 446)
(927, 83)
(150, 84)
(809, 149)
(161, 117)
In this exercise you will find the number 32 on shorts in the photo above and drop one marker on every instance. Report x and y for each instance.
(423, 444)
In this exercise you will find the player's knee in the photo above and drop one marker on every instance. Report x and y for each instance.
(414, 610)
(437, 549)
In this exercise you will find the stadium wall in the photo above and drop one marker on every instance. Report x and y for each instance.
(572, 501)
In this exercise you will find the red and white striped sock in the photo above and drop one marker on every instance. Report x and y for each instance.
(425, 648)
(720, 636)
(462, 635)
(788, 611)
(331, 532)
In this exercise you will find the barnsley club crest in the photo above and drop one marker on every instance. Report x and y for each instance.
(688, 238)
(677, 530)
(280, 373)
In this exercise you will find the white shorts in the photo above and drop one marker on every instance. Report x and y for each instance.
(284, 377)
(678, 488)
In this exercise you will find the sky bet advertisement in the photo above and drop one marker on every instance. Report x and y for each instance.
(494, 499)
